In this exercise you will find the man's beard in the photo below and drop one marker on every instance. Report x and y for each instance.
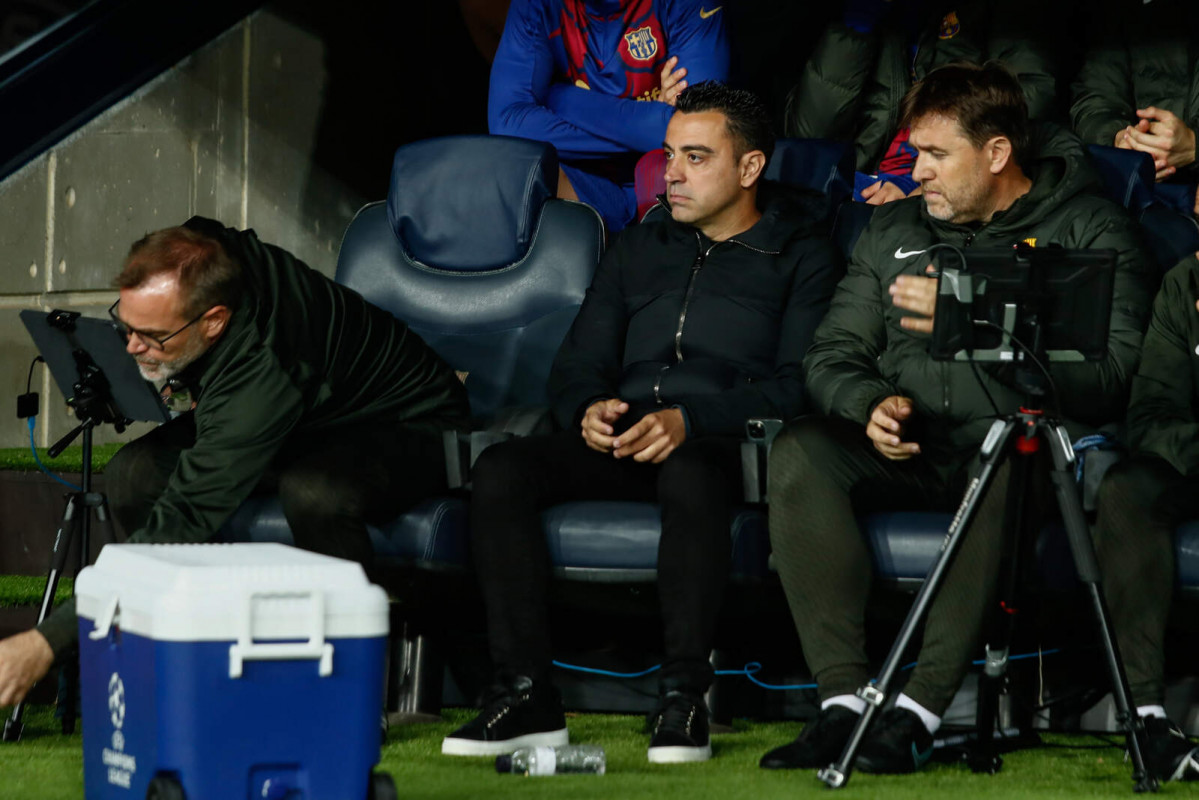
(157, 371)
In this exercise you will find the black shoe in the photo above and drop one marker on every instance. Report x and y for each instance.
(1169, 754)
(519, 713)
(898, 742)
(680, 730)
(818, 744)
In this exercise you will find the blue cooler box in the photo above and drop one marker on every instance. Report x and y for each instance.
(231, 670)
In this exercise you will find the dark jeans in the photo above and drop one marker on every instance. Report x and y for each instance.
(514, 481)
(331, 483)
(1141, 502)
(824, 470)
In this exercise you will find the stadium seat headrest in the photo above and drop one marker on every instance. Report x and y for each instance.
(469, 203)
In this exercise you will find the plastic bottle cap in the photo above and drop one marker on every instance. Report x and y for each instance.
(503, 763)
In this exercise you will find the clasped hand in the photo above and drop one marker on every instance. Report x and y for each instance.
(654, 437)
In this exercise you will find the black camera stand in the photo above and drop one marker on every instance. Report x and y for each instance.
(1022, 432)
(93, 404)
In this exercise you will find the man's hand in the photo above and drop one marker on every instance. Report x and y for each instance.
(877, 194)
(653, 438)
(1164, 136)
(919, 294)
(672, 81)
(24, 659)
(598, 421)
(887, 424)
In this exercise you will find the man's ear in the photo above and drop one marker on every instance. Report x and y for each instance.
(214, 322)
(999, 151)
(752, 165)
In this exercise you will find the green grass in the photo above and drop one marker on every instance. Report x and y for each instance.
(26, 590)
(70, 460)
(46, 764)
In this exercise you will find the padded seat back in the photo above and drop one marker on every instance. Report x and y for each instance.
(472, 251)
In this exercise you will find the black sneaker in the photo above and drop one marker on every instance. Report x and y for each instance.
(898, 742)
(819, 743)
(1169, 754)
(679, 729)
(517, 714)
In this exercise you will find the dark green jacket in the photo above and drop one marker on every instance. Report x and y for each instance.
(1162, 415)
(852, 85)
(1138, 56)
(301, 354)
(862, 355)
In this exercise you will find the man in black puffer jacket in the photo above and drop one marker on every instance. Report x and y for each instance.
(692, 325)
(901, 429)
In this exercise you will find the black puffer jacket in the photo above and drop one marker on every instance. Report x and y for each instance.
(718, 329)
(1139, 55)
(852, 85)
(862, 354)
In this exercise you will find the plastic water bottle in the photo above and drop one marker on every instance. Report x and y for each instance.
(571, 758)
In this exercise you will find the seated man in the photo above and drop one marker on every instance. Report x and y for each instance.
(901, 428)
(597, 79)
(1139, 89)
(868, 58)
(1142, 501)
(692, 325)
(297, 385)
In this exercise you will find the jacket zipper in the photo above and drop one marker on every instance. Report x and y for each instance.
(700, 258)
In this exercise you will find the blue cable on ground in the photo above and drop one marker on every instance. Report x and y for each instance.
(751, 669)
(33, 447)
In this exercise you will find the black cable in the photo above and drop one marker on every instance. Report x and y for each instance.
(981, 383)
(29, 380)
(1028, 351)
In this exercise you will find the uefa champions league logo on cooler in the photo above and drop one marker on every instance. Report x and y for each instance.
(116, 700)
(121, 765)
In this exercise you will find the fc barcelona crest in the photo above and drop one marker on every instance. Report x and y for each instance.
(642, 44)
(949, 26)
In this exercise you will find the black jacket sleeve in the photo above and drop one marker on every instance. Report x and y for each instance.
(587, 367)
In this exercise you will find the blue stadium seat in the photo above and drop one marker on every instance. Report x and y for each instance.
(472, 250)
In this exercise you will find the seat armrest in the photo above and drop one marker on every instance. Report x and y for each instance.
(755, 455)
(463, 449)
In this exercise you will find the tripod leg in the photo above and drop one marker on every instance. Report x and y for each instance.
(13, 726)
(836, 775)
(1087, 565)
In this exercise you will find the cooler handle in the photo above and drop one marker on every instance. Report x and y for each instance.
(246, 649)
(105, 620)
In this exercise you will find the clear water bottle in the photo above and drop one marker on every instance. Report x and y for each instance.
(571, 758)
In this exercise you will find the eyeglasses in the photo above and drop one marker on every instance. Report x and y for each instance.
(146, 339)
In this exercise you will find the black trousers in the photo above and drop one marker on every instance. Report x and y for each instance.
(515, 480)
(331, 483)
(1141, 502)
(824, 470)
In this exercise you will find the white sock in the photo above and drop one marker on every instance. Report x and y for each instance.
(850, 701)
(1151, 711)
(930, 720)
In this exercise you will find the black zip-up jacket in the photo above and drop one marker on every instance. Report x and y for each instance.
(718, 329)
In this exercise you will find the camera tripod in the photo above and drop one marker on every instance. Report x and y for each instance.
(93, 404)
(1022, 432)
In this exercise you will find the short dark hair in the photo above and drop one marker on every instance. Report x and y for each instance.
(986, 101)
(748, 120)
(208, 276)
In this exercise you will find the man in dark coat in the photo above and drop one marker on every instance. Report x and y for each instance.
(289, 382)
(692, 325)
(901, 429)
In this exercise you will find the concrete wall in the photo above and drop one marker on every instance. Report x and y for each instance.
(227, 133)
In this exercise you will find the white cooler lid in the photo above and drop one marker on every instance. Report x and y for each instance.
(219, 592)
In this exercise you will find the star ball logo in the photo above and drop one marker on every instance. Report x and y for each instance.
(116, 700)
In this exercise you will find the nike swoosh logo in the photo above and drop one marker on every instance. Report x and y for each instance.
(705, 14)
(901, 253)
(920, 758)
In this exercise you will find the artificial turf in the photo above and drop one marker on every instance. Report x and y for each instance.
(46, 764)
(70, 460)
